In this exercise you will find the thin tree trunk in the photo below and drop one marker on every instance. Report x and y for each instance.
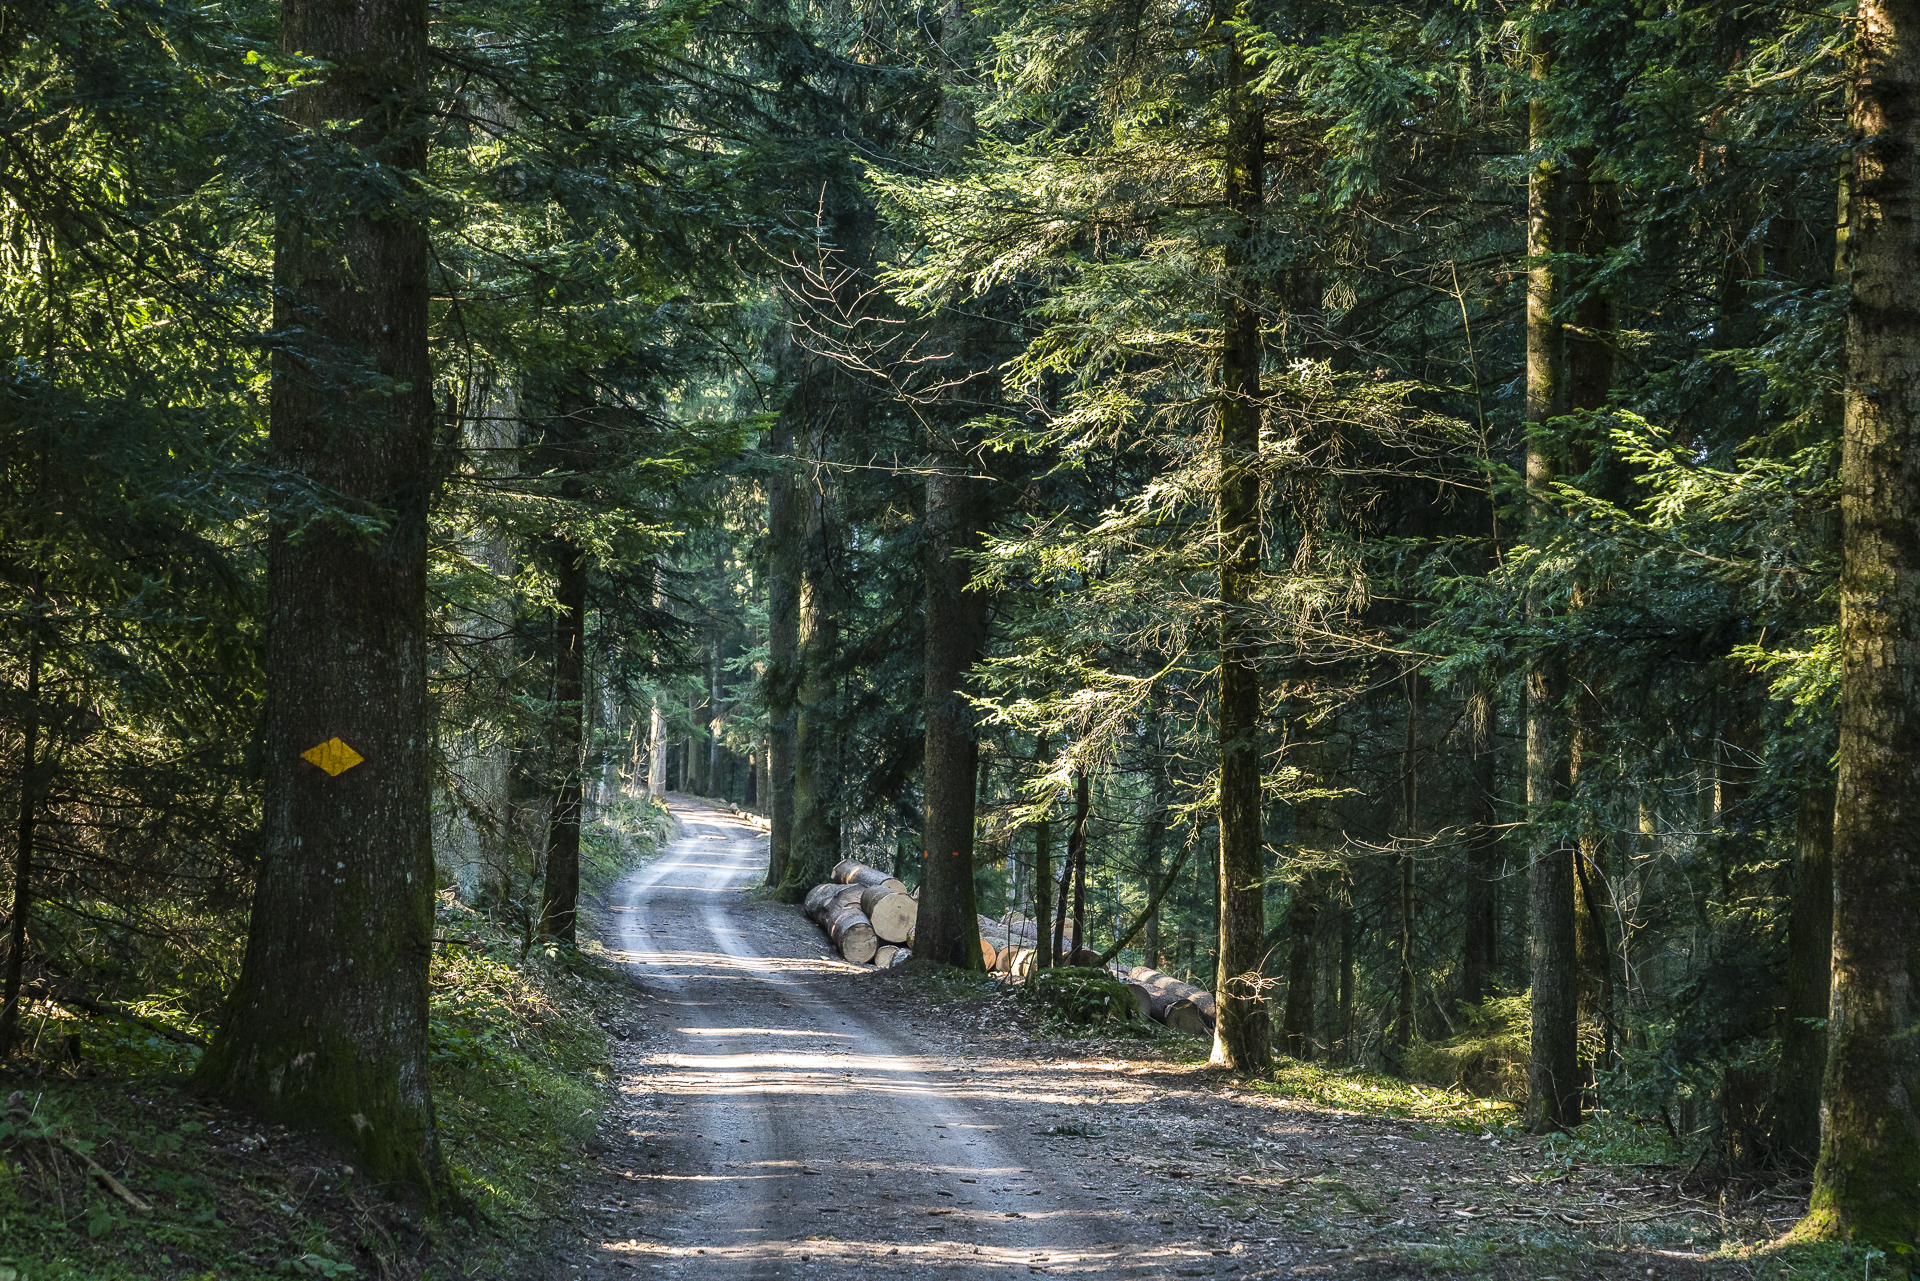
(1241, 1038)
(327, 1026)
(1553, 1077)
(1479, 959)
(718, 769)
(560, 897)
(1043, 870)
(24, 836)
(696, 757)
(1409, 821)
(786, 540)
(1303, 918)
(656, 755)
(816, 831)
(1803, 1050)
(1867, 1183)
(656, 752)
(1077, 854)
(1346, 982)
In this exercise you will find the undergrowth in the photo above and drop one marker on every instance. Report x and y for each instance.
(1357, 1090)
(1081, 999)
(519, 1063)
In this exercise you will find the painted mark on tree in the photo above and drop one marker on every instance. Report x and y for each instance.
(333, 756)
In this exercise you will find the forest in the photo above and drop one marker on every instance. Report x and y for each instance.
(1399, 514)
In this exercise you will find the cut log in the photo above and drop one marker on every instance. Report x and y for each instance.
(1141, 998)
(1165, 992)
(848, 872)
(989, 954)
(883, 955)
(892, 913)
(1184, 1016)
(819, 900)
(852, 934)
(845, 894)
(900, 957)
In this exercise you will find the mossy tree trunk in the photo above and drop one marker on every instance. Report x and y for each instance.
(1242, 1035)
(327, 1027)
(1866, 1185)
(786, 534)
(1553, 1077)
(1803, 1048)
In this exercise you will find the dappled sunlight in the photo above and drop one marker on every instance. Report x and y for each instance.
(760, 1031)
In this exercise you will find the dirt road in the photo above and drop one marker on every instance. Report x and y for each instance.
(785, 1114)
(778, 1124)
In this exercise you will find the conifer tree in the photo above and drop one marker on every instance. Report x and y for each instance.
(328, 1026)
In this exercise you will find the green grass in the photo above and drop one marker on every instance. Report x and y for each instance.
(1355, 1090)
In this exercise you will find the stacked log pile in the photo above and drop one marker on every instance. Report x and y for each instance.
(1181, 1006)
(868, 916)
(1015, 945)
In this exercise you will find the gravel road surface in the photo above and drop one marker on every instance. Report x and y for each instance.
(778, 1122)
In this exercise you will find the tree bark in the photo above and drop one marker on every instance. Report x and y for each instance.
(560, 894)
(1553, 1078)
(955, 621)
(786, 537)
(1077, 854)
(1479, 950)
(1043, 870)
(1303, 918)
(816, 830)
(1403, 1028)
(26, 830)
(1867, 1183)
(718, 768)
(1242, 1040)
(327, 1027)
(1803, 1050)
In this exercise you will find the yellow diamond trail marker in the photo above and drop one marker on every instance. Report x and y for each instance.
(333, 756)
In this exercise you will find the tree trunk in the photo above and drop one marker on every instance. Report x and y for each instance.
(1346, 982)
(719, 769)
(1077, 854)
(1867, 1184)
(816, 830)
(1242, 1040)
(560, 897)
(1479, 950)
(955, 620)
(327, 1027)
(1156, 836)
(1303, 916)
(1043, 870)
(786, 539)
(656, 752)
(1553, 1077)
(1409, 821)
(24, 834)
(1803, 1050)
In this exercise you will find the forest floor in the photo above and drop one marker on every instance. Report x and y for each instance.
(782, 1113)
(706, 1091)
